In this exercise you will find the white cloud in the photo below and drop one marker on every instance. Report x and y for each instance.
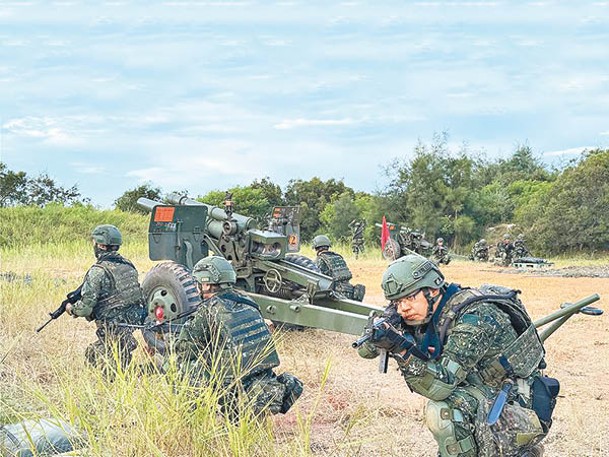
(295, 123)
(88, 169)
(570, 151)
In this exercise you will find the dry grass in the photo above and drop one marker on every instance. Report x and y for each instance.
(348, 408)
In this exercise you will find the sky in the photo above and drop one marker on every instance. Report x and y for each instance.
(208, 95)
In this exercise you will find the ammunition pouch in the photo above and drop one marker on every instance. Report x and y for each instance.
(545, 390)
(293, 390)
(359, 290)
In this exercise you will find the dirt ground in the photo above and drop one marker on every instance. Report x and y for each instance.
(352, 409)
(362, 412)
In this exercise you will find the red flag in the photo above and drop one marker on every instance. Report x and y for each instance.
(384, 234)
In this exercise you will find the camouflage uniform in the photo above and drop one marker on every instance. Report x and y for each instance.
(472, 351)
(505, 252)
(334, 265)
(440, 252)
(111, 295)
(480, 251)
(357, 242)
(228, 343)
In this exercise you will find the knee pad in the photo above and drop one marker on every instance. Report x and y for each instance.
(443, 421)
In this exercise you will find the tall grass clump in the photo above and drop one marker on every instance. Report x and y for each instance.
(57, 225)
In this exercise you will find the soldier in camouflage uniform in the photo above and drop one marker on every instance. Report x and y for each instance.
(440, 252)
(504, 251)
(480, 251)
(228, 344)
(459, 348)
(332, 264)
(357, 241)
(520, 249)
(110, 295)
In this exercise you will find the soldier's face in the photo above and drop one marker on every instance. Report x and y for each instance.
(413, 308)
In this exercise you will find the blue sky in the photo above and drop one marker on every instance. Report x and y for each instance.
(208, 95)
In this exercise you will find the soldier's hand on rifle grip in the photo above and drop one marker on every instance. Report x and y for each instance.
(69, 309)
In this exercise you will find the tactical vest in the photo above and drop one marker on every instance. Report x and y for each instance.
(335, 264)
(124, 291)
(245, 340)
(524, 355)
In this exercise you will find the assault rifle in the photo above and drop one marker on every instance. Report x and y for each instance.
(71, 298)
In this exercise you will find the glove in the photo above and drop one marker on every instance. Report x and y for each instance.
(388, 338)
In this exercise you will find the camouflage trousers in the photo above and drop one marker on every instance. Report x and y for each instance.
(459, 426)
(113, 348)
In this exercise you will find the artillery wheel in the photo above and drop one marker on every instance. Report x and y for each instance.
(302, 261)
(392, 250)
(170, 286)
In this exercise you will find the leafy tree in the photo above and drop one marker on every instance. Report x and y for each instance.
(337, 215)
(573, 212)
(43, 190)
(271, 191)
(248, 201)
(313, 196)
(13, 187)
(128, 201)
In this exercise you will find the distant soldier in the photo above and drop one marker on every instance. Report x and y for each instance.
(357, 242)
(227, 342)
(480, 251)
(440, 252)
(110, 295)
(520, 249)
(332, 264)
(505, 251)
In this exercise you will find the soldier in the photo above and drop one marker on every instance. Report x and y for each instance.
(110, 295)
(505, 250)
(460, 348)
(332, 264)
(227, 342)
(440, 252)
(480, 251)
(520, 249)
(357, 242)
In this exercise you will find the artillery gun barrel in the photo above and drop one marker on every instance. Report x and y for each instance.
(147, 204)
(218, 222)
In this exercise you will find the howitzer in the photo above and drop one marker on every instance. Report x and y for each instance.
(71, 298)
(289, 288)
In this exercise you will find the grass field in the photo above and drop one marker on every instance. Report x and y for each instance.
(348, 408)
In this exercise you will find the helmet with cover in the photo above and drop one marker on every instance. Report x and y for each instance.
(107, 235)
(408, 274)
(440, 240)
(321, 241)
(214, 270)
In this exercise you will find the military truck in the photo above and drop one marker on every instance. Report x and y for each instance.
(288, 287)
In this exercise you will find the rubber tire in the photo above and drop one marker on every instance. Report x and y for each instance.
(392, 250)
(302, 261)
(179, 281)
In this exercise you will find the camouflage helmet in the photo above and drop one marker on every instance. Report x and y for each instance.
(321, 241)
(507, 236)
(107, 234)
(214, 270)
(440, 240)
(482, 241)
(409, 274)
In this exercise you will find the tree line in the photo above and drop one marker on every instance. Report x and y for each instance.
(457, 195)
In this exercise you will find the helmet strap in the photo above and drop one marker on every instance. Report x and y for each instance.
(430, 301)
